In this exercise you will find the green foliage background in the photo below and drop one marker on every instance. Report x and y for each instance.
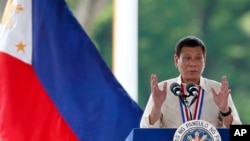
(223, 25)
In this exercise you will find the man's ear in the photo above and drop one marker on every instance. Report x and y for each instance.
(205, 61)
(176, 58)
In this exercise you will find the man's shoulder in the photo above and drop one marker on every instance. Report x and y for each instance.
(211, 82)
(171, 80)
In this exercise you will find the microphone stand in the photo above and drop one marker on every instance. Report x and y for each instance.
(187, 105)
(176, 90)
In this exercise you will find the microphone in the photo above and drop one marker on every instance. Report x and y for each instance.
(192, 89)
(175, 89)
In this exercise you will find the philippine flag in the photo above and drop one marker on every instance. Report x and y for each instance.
(54, 85)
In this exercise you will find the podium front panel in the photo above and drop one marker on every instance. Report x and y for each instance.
(164, 134)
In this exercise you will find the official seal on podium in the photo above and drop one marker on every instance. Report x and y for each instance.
(196, 130)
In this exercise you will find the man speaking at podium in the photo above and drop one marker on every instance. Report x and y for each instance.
(190, 96)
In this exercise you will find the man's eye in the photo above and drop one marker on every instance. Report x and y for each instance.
(199, 58)
(186, 58)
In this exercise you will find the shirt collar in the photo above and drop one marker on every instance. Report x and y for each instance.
(202, 81)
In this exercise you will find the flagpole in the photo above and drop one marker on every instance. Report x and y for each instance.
(125, 45)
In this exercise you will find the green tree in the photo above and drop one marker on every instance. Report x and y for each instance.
(223, 26)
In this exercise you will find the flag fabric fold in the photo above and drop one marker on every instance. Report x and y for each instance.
(54, 84)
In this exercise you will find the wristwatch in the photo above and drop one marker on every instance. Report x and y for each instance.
(227, 113)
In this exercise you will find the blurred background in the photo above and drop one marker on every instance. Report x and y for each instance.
(223, 25)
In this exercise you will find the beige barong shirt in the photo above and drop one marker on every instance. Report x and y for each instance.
(171, 109)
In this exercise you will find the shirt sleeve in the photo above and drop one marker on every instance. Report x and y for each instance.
(236, 117)
(145, 123)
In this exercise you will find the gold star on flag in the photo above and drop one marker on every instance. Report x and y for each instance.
(20, 46)
(19, 8)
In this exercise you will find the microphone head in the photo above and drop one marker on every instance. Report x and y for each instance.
(192, 89)
(175, 89)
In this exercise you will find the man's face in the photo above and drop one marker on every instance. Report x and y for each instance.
(190, 64)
